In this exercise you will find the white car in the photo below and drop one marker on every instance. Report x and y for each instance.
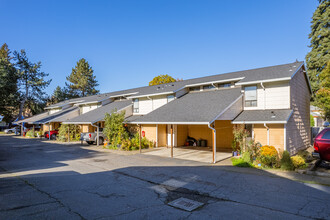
(14, 130)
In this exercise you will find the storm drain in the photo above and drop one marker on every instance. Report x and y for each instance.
(185, 204)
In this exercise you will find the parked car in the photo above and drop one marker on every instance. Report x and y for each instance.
(53, 134)
(322, 145)
(15, 130)
(90, 137)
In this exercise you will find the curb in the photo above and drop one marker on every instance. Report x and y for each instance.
(314, 173)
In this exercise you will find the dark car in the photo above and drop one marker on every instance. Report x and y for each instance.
(322, 145)
(53, 134)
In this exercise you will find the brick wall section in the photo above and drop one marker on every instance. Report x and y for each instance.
(298, 126)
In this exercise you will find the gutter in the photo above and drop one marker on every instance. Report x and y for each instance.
(214, 143)
(263, 87)
(267, 133)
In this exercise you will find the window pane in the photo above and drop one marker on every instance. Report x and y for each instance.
(251, 93)
(195, 88)
(208, 87)
(170, 98)
(135, 105)
(326, 135)
(225, 85)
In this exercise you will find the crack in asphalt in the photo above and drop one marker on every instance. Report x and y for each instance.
(25, 206)
(47, 194)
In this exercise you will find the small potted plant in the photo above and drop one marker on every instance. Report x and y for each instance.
(234, 147)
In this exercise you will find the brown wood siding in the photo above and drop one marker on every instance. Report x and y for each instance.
(276, 136)
(224, 134)
(260, 134)
(162, 136)
(200, 132)
(298, 126)
(182, 134)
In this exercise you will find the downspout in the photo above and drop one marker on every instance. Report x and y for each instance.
(97, 134)
(214, 86)
(152, 102)
(263, 87)
(214, 143)
(267, 133)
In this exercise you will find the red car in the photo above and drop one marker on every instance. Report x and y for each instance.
(53, 134)
(322, 145)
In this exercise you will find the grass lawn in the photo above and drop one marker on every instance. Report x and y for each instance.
(239, 162)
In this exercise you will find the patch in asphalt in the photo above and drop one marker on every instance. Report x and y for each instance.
(185, 204)
(100, 160)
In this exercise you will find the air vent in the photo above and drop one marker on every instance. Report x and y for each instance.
(185, 204)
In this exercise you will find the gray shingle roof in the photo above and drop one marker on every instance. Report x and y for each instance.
(34, 118)
(55, 115)
(262, 116)
(265, 73)
(99, 113)
(198, 107)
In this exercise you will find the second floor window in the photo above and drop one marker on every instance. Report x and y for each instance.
(136, 105)
(170, 98)
(224, 85)
(250, 96)
(208, 87)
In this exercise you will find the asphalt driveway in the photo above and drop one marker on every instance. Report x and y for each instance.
(40, 180)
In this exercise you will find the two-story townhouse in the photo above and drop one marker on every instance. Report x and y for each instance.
(272, 103)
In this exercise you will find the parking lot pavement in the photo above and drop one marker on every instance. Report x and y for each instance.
(40, 180)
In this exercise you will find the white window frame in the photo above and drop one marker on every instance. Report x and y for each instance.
(136, 105)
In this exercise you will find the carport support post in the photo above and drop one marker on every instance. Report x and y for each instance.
(98, 136)
(140, 131)
(171, 140)
(22, 130)
(49, 130)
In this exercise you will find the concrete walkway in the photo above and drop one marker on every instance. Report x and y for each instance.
(199, 155)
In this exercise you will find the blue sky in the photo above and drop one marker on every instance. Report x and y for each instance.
(129, 42)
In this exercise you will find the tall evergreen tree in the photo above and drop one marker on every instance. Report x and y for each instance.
(9, 96)
(318, 57)
(59, 95)
(31, 80)
(82, 81)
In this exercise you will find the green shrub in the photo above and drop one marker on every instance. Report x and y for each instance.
(268, 156)
(29, 133)
(298, 161)
(247, 157)
(286, 162)
(134, 143)
(239, 162)
(67, 129)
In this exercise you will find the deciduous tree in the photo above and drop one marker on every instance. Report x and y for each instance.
(161, 79)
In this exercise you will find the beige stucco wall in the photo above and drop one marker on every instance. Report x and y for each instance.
(150, 132)
(298, 126)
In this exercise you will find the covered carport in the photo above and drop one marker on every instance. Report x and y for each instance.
(93, 120)
(199, 115)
